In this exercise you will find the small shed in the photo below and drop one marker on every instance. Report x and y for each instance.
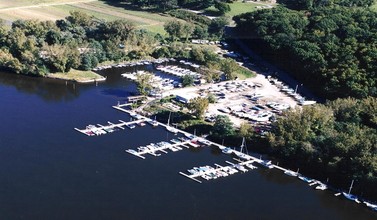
(185, 98)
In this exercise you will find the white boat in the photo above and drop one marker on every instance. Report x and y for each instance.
(169, 128)
(370, 205)
(240, 167)
(227, 150)
(175, 141)
(250, 166)
(321, 186)
(133, 114)
(130, 126)
(154, 122)
(291, 173)
(240, 153)
(267, 163)
(306, 102)
(204, 141)
(305, 179)
(349, 195)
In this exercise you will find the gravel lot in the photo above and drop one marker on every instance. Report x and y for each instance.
(234, 94)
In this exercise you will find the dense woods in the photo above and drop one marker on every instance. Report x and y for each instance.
(80, 41)
(338, 139)
(331, 49)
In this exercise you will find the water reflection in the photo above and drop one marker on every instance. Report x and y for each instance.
(48, 89)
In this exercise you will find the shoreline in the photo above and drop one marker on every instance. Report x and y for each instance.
(77, 76)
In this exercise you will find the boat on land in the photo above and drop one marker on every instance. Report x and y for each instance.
(350, 196)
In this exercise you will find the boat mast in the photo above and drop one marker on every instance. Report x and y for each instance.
(349, 191)
(169, 118)
(242, 145)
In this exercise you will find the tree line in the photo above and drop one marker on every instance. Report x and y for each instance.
(331, 49)
(79, 41)
(336, 140)
(166, 5)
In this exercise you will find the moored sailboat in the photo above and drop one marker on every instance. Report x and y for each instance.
(349, 195)
(169, 128)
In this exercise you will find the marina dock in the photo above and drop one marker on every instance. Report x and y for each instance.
(93, 130)
(209, 172)
(155, 148)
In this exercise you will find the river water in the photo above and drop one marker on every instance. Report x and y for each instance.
(50, 171)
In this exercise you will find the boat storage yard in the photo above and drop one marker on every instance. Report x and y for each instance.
(242, 162)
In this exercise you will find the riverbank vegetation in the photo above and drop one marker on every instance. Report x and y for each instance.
(338, 140)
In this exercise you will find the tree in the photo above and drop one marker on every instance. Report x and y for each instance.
(173, 28)
(223, 127)
(61, 58)
(80, 18)
(198, 106)
(211, 98)
(229, 67)
(187, 80)
(186, 30)
(144, 82)
(161, 52)
(222, 7)
(200, 32)
(210, 73)
(166, 4)
(216, 28)
(246, 130)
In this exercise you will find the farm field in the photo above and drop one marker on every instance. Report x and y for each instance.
(58, 9)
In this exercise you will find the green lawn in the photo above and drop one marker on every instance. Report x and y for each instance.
(240, 8)
(236, 8)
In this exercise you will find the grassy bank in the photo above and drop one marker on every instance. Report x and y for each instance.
(77, 76)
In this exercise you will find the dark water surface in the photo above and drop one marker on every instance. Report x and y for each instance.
(50, 171)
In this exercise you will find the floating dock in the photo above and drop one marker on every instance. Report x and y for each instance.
(93, 130)
(154, 149)
(208, 172)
